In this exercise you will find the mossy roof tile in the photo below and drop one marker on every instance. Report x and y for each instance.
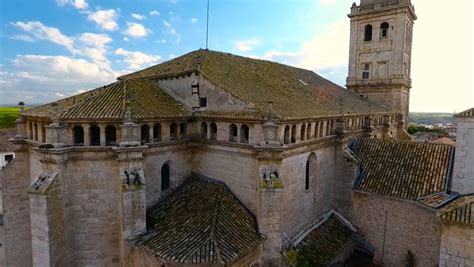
(402, 169)
(202, 222)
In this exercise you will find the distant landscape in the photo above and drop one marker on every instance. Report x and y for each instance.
(430, 118)
(8, 116)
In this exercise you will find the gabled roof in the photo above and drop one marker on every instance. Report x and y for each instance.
(202, 222)
(466, 113)
(402, 169)
(145, 98)
(326, 240)
(295, 92)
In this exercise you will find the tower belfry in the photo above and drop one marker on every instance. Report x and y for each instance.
(380, 52)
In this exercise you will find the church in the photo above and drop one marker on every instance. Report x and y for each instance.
(214, 159)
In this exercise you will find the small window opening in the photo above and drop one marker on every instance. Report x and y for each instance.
(293, 134)
(173, 130)
(244, 133)
(368, 33)
(303, 132)
(110, 135)
(213, 130)
(204, 130)
(165, 177)
(366, 71)
(232, 133)
(78, 133)
(94, 132)
(145, 133)
(183, 128)
(203, 102)
(384, 30)
(286, 135)
(157, 132)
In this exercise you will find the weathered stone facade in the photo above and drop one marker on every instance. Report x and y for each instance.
(457, 246)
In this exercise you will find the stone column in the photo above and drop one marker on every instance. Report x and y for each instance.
(102, 134)
(386, 127)
(133, 209)
(368, 127)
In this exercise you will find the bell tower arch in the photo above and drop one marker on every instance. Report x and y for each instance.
(380, 52)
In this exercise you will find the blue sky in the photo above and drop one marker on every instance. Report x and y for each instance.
(50, 49)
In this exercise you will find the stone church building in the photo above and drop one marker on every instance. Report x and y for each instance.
(213, 159)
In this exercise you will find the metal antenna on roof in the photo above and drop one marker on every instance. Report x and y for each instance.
(207, 26)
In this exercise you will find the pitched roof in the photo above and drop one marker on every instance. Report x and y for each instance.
(145, 98)
(325, 242)
(437, 200)
(444, 140)
(295, 92)
(466, 113)
(459, 211)
(402, 169)
(202, 222)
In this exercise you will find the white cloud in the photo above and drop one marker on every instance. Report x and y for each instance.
(246, 45)
(126, 39)
(194, 20)
(22, 37)
(137, 30)
(106, 19)
(138, 16)
(172, 30)
(136, 59)
(329, 49)
(42, 32)
(154, 13)
(40, 79)
(79, 4)
(327, 2)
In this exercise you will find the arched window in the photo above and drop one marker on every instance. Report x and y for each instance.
(157, 132)
(36, 131)
(110, 135)
(368, 33)
(316, 130)
(233, 133)
(94, 134)
(310, 174)
(43, 134)
(384, 30)
(203, 130)
(78, 133)
(308, 132)
(173, 131)
(328, 128)
(183, 128)
(286, 135)
(293, 134)
(303, 132)
(31, 130)
(244, 133)
(145, 133)
(213, 130)
(321, 128)
(165, 176)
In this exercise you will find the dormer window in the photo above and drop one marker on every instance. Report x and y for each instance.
(365, 71)
(368, 33)
(384, 30)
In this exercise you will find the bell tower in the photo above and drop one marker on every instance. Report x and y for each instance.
(380, 52)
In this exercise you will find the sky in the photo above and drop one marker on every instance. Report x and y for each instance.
(51, 49)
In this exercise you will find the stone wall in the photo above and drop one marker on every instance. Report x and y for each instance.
(16, 207)
(463, 176)
(180, 160)
(302, 207)
(236, 166)
(457, 246)
(395, 227)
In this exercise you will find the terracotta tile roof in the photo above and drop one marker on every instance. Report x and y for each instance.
(324, 243)
(437, 200)
(202, 222)
(444, 140)
(466, 113)
(402, 169)
(459, 211)
(146, 100)
(295, 93)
